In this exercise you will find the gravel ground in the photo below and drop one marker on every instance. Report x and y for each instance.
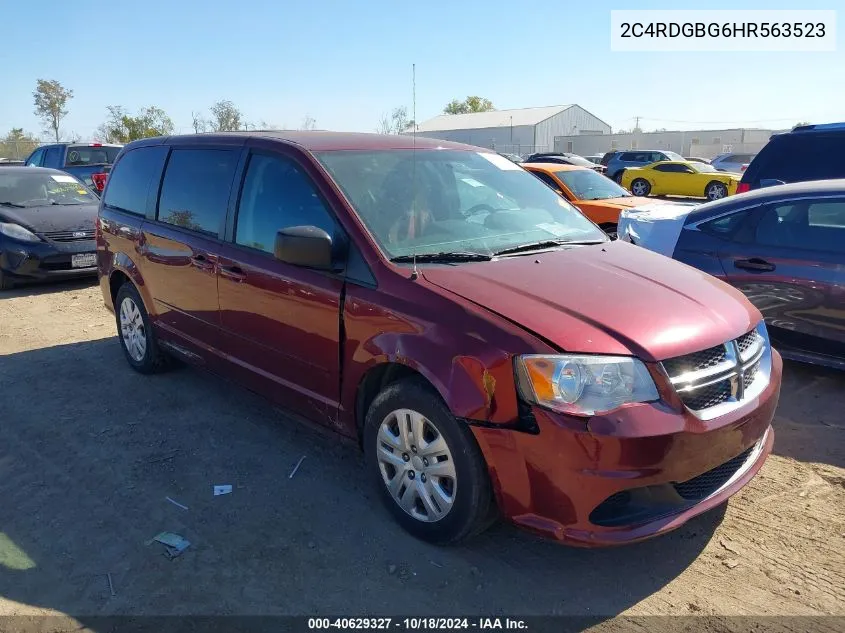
(89, 451)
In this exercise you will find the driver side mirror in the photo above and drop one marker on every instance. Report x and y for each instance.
(307, 246)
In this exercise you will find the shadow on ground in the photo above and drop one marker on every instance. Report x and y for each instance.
(89, 450)
(35, 289)
(809, 423)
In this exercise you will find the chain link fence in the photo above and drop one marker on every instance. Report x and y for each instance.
(17, 150)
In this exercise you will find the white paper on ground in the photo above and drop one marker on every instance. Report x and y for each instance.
(655, 227)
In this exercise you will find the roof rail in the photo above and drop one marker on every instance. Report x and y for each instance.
(819, 128)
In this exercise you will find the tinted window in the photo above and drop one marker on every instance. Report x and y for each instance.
(725, 226)
(665, 168)
(807, 225)
(53, 157)
(630, 156)
(547, 179)
(196, 187)
(129, 181)
(277, 194)
(801, 157)
(36, 158)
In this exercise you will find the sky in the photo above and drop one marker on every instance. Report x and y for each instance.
(346, 63)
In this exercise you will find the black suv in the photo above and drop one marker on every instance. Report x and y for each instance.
(808, 152)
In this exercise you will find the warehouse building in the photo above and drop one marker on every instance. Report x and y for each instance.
(520, 131)
(701, 143)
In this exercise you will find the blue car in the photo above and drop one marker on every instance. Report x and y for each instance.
(783, 246)
(89, 162)
(637, 158)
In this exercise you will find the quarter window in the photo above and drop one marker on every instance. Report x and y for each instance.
(196, 187)
(129, 182)
(277, 194)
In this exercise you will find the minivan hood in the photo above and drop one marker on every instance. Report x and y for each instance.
(54, 217)
(611, 298)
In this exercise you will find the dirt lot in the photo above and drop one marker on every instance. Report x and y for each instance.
(89, 450)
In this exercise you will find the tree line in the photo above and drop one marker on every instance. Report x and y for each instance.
(51, 101)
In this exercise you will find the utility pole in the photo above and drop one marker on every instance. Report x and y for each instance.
(637, 122)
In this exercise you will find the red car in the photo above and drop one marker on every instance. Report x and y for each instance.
(491, 349)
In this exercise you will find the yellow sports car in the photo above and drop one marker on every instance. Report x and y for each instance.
(680, 178)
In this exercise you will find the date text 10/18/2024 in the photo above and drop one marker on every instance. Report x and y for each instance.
(419, 624)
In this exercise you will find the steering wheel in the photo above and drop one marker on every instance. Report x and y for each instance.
(479, 208)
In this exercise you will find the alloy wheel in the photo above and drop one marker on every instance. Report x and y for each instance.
(716, 192)
(132, 330)
(416, 465)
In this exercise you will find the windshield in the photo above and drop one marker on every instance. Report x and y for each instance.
(78, 155)
(586, 184)
(28, 189)
(446, 201)
(703, 168)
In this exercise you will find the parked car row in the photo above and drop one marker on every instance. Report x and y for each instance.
(783, 245)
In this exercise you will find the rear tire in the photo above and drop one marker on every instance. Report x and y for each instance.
(640, 187)
(428, 468)
(135, 333)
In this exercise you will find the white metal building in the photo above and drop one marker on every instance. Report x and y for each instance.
(520, 131)
(702, 143)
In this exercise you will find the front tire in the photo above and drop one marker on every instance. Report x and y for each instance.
(640, 187)
(135, 333)
(428, 468)
(715, 191)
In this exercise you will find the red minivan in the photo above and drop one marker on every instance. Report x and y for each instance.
(493, 352)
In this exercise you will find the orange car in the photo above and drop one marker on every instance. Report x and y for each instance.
(597, 196)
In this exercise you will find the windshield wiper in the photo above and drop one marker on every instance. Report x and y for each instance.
(13, 204)
(443, 257)
(537, 246)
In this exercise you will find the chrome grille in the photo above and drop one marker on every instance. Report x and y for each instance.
(713, 381)
(70, 236)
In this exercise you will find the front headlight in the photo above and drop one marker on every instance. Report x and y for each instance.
(15, 231)
(583, 385)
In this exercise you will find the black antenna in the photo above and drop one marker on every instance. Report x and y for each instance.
(414, 272)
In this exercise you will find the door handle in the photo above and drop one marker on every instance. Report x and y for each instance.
(202, 262)
(755, 264)
(233, 272)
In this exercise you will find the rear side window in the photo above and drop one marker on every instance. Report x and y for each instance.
(36, 158)
(196, 187)
(78, 155)
(53, 157)
(800, 157)
(276, 195)
(129, 182)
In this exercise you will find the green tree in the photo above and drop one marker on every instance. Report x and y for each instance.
(17, 144)
(225, 117)
(51, 103)
(396, 122)
(121, 127)
(468, 105)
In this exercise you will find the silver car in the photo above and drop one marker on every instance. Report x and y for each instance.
(732, 162)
